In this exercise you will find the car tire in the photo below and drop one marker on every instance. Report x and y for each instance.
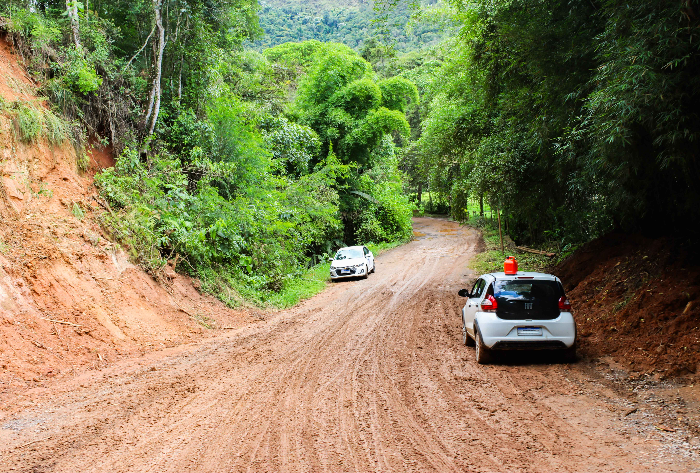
(569, 354)
(366, 272)
(374, 266)
(466, 339)
(483, 354)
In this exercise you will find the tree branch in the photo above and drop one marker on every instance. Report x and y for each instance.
(141, 49)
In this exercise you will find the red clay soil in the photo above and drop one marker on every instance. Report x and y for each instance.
(636, 299)
(69, 297)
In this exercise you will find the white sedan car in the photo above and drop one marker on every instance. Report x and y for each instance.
(352, 261)
(518, 311)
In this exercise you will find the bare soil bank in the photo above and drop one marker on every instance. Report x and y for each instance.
(69, 297)
(636, 300)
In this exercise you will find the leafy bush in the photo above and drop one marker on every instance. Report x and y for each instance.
(79, 74)
(293, 146)
(35, 32)
(256, 242)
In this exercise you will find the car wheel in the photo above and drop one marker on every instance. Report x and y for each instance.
(374, 266)
(466, 339)
(483, 354)
(366, 272)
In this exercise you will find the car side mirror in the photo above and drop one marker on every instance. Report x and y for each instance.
(463, 293)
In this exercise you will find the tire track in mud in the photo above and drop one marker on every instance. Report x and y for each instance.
(370, 375)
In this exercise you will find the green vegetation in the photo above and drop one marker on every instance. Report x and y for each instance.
(354, 24)
(77, 211)
(491, 259)
(571, 118)
(246, 167)
(28, 122)
(31, 121)
(55, 128)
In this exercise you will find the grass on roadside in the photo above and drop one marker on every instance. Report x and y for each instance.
(304, 286)
(314, 280)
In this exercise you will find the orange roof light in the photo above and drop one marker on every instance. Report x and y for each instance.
(510, 265)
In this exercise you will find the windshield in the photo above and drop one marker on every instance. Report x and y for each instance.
(530, 299)
(348, 253)
(528, 289)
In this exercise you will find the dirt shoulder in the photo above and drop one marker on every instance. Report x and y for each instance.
(370, 375)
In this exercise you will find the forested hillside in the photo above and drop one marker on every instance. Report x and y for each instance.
(352, 23)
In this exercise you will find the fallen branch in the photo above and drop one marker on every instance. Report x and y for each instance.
(537, 252)
(61, 322)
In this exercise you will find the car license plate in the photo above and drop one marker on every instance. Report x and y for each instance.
(344, 271)
(529, 331)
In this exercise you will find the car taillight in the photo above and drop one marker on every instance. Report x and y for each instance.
(489, 304)
(564, 305)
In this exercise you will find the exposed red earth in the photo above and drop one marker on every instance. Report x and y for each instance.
(370, 375)
(637, 300)
(69, 297)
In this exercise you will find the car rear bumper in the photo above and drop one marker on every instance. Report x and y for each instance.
(500, 334)
(529, 345)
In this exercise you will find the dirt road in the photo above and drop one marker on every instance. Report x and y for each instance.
(368, 376)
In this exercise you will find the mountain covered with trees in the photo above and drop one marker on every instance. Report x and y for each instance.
(351, 23)
(241, 168)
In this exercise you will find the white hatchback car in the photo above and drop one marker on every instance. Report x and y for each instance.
(352, 261)
(518, 311)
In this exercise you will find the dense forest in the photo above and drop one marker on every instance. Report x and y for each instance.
(246, 158)
(572, 118)
(350, 23)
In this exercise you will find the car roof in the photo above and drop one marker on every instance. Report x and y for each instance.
(359, 247)
(522, 275)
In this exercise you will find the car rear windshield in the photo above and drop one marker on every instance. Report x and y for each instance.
(528, 299)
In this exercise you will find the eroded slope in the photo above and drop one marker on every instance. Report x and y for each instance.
(69, 297)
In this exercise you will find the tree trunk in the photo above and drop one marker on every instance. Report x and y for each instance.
(481, 205)
(154, 98)
(420, 192)
(72, 12)
(500, 232)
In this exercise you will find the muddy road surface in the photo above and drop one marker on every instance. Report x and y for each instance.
(368, 376)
